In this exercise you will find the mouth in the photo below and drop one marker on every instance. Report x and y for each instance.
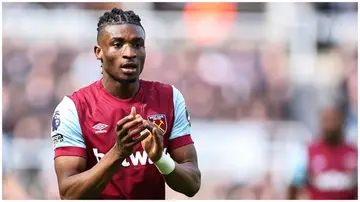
(129, 67)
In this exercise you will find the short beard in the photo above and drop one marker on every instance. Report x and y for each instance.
(122, 81)
(126, 81)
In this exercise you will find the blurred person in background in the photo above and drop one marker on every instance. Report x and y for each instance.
(328, 170)
(11, 187)
(96, 131)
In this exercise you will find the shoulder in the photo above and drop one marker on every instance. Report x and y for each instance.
(65, 113)
(66, 105)
(85, 93)
(165, 92)
(162, 89)
(157, 87)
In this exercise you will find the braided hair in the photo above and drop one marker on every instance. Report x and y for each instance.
(117, 16)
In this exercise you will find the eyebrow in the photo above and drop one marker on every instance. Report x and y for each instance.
(123, 39)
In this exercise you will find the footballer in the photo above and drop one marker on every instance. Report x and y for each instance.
(123, 137)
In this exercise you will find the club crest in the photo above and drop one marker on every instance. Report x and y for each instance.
(55, 123)
(159, 120)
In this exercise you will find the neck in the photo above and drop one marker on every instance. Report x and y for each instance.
(117, 89)
(335, 141)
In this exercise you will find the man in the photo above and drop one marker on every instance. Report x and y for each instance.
(329, 169)
(110, 137)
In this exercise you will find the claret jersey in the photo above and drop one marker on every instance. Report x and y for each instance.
(328, 172)
(84, 124)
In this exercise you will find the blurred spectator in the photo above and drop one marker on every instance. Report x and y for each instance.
(11, 188)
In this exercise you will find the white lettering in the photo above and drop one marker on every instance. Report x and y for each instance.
(334, 181)
(134, 159)
(98, 155)
(125, 163)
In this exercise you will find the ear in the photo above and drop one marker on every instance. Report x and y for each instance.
(98, 52)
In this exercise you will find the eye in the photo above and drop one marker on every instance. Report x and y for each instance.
(118, 45)
(138, 45)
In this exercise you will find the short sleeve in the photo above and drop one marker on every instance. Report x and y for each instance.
(181, 131)
(300, 173)
(66, 131)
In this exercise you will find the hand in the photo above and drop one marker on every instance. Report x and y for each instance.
(153, 144)
(126, 129)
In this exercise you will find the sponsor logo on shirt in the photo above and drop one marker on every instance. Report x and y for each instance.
(159, 120)
(334, 180)
(99, 128)
(139, 158)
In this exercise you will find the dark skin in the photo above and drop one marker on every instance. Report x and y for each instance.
(119, 45)
(331, 121)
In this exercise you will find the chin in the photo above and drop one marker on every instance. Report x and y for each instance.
(127, 80)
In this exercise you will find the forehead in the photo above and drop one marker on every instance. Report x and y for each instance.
(126, 31)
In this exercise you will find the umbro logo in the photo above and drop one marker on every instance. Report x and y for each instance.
(99, 128)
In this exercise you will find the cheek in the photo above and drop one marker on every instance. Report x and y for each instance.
(112, 56)
(142, 55)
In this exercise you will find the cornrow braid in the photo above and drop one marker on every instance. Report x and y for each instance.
(118, 16)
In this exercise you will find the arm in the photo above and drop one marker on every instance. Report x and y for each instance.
(77, 183)
(186, 178)
(181, 170)
(71, 158)
(300, 178)
(74, 180)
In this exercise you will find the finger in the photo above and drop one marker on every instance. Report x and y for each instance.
(144, 131)
(139, 139)
(123, 121)
(129, 137)
(154, 131)
(149, 125)
(139, 116)
(130, 125)
(133, 111)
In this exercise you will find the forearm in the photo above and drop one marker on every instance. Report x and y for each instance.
(91, 183)
(186, 178)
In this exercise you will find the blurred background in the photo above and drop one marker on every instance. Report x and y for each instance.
(254, 76)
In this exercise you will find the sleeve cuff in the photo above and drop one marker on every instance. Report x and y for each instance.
(180, 141)
(70, 151)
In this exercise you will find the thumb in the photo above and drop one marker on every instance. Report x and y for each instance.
(133, 111)
(154, 131)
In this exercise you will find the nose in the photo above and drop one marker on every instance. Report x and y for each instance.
(129, 52)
